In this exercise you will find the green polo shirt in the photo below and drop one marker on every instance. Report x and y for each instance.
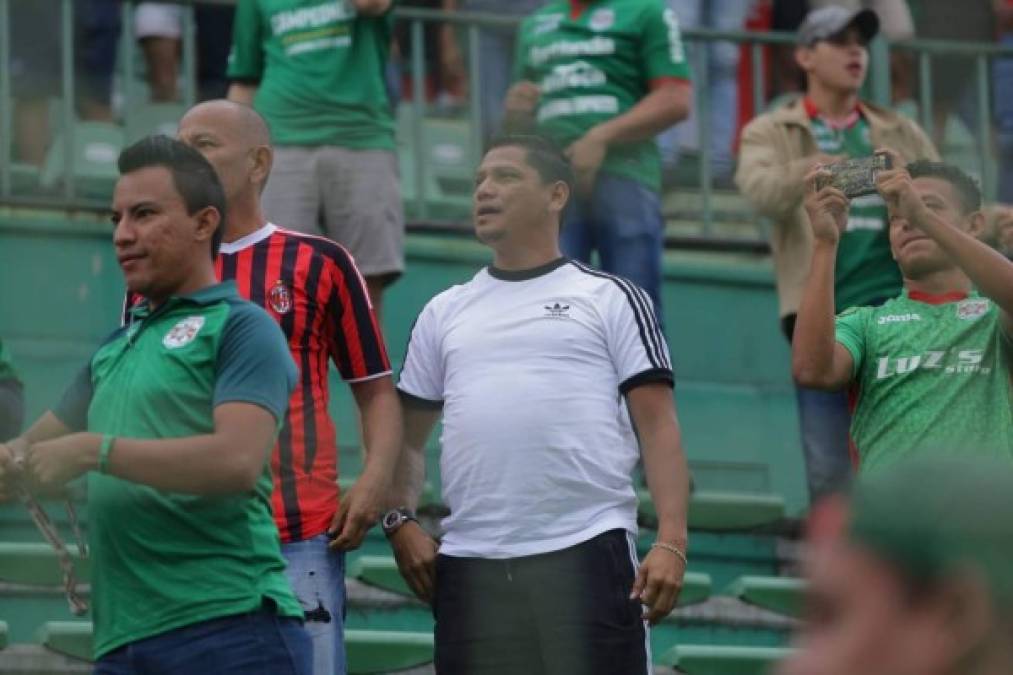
(164, 560)
(596, 64)
(6, 367)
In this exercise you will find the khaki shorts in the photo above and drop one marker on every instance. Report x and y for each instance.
(350, 196)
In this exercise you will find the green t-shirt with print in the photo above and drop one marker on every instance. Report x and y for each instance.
(164, 560)
(321, 70)
(930, 378)
(596, 66)
(866, 271)
(6, 366)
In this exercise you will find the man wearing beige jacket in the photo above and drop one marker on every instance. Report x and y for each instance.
(778, 149)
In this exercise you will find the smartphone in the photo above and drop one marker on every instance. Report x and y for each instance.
(855, 177)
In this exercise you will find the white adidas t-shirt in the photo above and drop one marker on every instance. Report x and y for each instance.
(537, 445)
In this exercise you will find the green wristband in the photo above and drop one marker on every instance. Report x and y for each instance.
(103, 453)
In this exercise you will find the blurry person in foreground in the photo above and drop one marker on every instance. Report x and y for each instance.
(912, 575)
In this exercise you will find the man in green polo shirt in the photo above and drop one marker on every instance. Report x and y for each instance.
(173, 420)
(12, 402)
(316, 70)
(602, 78)
(932, 367)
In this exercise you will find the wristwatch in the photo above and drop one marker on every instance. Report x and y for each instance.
(395, 518)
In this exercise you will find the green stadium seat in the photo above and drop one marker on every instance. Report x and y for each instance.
(783, 595)
(696, 588)
(37, 564)
(96, 147)
(379, 571)
(24, 177)
(724, 511)
(723, 660)
(70, 638)
(3, 635)
(152, 118)
(374, 651)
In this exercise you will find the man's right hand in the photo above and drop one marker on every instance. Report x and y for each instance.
(827, 208)
(415, 553)
(522, 98)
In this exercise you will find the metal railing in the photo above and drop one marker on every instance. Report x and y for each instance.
(470, 26)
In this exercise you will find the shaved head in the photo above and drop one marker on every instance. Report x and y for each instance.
(235, 139)
(251, 126)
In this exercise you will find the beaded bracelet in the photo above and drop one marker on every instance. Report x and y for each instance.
(672, 549)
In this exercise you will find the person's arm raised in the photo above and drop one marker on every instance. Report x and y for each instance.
(817, 359)
(989, 270)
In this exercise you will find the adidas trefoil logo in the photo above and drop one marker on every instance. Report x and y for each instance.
(557, 311)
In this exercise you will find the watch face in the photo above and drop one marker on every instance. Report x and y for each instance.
(391, 520)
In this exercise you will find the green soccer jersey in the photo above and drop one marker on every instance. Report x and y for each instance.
(866, 271)
(321, 70)
(930, 377)
(6, 367)
(597, 65)
(164, 560)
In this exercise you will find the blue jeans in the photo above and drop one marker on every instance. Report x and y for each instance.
(622, 222)
(825, 420)
(255, 643)
(317, 576)
(722, 75)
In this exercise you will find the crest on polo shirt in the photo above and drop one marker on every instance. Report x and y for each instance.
(969, 310)
(602, 19)
(279, 298)
(183, 333)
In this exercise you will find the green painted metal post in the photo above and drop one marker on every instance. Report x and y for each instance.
(418, 103)
(67, 76)
(925, 92)
(474, 95)
(984, 128)
(879, 61)
(6, 102)
(127, 51)
(189, 61)
(703, 126)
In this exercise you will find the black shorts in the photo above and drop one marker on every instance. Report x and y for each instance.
(561, 613)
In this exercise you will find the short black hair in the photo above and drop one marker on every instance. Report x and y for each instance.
(194, 177)
(966, 187)
(545, 156)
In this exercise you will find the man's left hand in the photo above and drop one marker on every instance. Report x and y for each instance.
(658, 583)
(51, 464)
(586, 155)
(358, 511)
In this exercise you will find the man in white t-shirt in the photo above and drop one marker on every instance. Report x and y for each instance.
(552, 380)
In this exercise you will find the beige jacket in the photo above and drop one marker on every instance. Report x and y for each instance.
(774, 156)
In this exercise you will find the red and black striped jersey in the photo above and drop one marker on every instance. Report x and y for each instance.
(311, 286)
